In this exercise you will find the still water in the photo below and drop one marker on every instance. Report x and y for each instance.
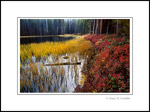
(38, 39)
(60, 78)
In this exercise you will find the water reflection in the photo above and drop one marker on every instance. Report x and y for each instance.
(35, 77)
(36, 39)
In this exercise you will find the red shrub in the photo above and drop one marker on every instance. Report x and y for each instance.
(110, 71)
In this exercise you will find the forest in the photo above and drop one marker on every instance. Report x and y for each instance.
(75, 55)
(74, 26)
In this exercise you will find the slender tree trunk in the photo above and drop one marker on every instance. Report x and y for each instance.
(75, 30)
(94, 26)
(57, 30)
(90, 27)
(117, 27)
(98, 26)
(62, 26)
(107, 27)
(96, 30)
(101, 26)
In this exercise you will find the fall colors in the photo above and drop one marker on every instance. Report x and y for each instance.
(89, 55)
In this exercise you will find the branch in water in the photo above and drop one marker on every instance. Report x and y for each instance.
(78, 63)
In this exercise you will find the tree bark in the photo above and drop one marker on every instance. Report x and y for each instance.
(94, 26)
(97, 25)
(90, 27)
(107, 28)
(117, 26)
(101, 26)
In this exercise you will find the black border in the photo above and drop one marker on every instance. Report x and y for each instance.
(74, 93)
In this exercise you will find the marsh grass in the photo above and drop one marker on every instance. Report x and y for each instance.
(40, 50)
(35, 77)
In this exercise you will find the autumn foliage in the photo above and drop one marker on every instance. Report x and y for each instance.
(110, 69)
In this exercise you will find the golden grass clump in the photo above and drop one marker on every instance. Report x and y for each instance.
(55, 48)
(83, 79)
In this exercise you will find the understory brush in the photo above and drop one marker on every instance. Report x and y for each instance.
(110, 70)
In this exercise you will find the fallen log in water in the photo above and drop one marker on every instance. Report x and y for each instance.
(78, 63)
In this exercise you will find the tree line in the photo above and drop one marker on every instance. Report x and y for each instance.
(30, 27)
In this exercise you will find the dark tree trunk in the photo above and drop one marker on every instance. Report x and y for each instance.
(97, 25)
(117, 27)
(90, 29)
(101, 26)
(107, 28)
(94, 26)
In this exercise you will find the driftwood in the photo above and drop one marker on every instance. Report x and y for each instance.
(78, 63)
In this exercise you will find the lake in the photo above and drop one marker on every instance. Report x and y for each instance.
(38, 39)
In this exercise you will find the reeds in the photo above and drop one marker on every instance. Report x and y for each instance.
(39, 50)
(39, 78)
(35, 77)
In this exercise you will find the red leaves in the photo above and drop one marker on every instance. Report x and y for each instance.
(119, 39)
(107, 42)
(99, 85)
(105, 53)
(110, 71)
(94, 38)
(115, 76)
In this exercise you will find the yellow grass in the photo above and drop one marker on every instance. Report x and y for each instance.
(39, 50)
(83, 79)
